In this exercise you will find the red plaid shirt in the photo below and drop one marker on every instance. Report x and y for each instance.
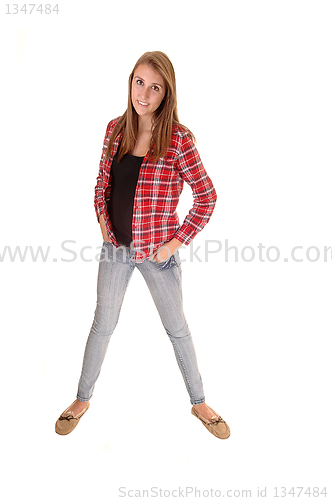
(155, 220)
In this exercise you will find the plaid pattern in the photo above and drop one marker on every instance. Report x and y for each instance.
(155, 220)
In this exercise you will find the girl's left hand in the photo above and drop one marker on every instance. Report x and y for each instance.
(166, 250)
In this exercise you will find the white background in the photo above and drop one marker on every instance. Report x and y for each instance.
(254, 85)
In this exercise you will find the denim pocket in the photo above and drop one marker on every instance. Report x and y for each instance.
(166, 264)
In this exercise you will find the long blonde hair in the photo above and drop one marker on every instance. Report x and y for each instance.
(164, 117)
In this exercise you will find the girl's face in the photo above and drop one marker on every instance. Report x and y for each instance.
(148, 89)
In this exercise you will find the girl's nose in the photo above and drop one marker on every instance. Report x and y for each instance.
(145, 94)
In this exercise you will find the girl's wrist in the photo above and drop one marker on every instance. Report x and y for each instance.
(175, 244)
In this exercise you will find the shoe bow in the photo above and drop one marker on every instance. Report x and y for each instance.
(215, 419)
(67, 417)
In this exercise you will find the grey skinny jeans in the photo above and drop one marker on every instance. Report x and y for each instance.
(164, 281)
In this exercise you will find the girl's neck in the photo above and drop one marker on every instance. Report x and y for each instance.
(144, 125)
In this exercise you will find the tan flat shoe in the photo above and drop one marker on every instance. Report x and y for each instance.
(216, 425)
(67, 422)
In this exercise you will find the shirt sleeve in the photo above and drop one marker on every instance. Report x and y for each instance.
(99, 198)
(191, 169)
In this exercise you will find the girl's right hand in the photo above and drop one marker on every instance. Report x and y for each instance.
(103, 229)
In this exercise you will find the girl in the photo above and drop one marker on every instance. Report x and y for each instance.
(147, 154)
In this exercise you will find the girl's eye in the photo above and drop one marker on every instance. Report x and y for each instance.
(139, 82)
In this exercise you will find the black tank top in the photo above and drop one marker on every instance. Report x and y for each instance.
(123, 180)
